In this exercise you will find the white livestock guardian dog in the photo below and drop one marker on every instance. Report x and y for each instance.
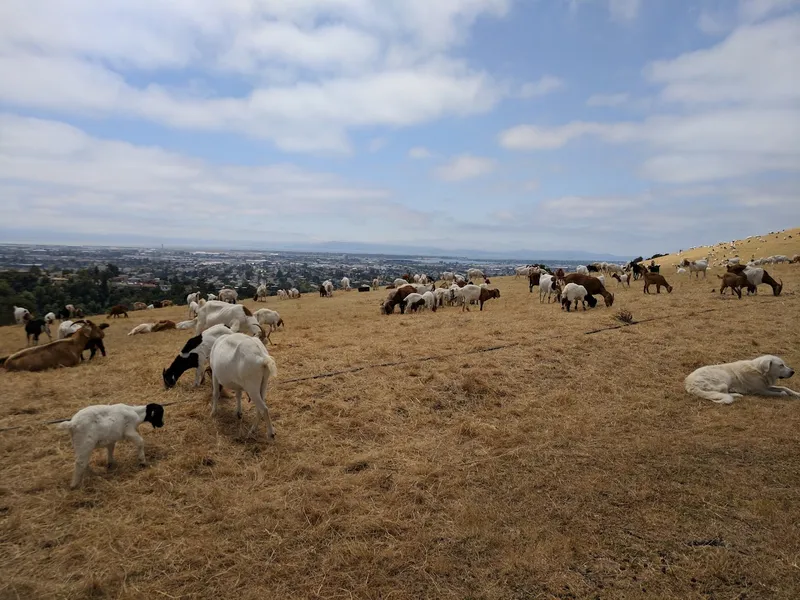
(725, 383)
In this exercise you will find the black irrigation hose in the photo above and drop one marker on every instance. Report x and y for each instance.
(422, 359)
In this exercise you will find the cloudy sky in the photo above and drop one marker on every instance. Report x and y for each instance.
(620, 126)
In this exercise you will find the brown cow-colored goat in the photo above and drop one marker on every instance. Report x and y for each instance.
(592, 284)
(60, 353)
(488, 294)
(117, 311)
(657, 280)
(733, 281)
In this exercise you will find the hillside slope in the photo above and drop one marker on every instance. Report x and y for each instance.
(785, 242)
(517, 452)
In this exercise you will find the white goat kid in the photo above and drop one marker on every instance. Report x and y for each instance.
(105, 425)
(265, 316)
(242, 363)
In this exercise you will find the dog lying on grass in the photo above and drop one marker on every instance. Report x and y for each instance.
(724, 383)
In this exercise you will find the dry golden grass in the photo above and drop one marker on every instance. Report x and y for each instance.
(561, 465)
(745, 249)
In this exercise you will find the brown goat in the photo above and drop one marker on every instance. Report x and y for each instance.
(163, 325)
(397, 297)
(118, 310)
(533, 280)
(657, 280)
(560, 275)
(765, 278)
(139, 306)
(165, 303)
(487, 294)
(592, 284)
(60, 353)
(733, 281)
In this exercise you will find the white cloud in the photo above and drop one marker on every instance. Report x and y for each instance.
(531, 185)
(754, 10)
(533, 137)
(419, 153)
(607, 99)
(740, 117)
(730, 14)
(82, 183)
(375, 144)
(305, 72)
(465, 167)
(624, 10)
(754, 64)
(546, 85)
(714, 23)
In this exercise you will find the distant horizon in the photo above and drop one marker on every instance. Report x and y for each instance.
(337, 247)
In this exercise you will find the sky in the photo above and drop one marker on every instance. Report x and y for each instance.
(617, 126)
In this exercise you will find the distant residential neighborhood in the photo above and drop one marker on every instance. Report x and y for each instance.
(44, 277)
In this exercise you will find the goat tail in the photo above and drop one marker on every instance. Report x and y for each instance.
(270, 366)
(65, 424)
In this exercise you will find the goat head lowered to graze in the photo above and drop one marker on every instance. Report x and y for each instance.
(756, 276)
(592, 284)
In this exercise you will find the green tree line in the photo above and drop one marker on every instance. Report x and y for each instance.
(90, 290)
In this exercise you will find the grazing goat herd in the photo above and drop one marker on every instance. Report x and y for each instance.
(233, 341)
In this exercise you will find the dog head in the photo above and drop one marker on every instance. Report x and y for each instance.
(774, 368)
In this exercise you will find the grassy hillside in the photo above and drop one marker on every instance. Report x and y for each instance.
(509, 453)
(785, 242)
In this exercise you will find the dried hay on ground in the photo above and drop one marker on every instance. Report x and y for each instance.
(558, 465)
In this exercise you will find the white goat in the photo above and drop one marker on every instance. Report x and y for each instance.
(399, 282)
(470, 294)
(228, 295)
(105, 425)
(572, 293)
(193, 308)
(548, 286)
(430, 300)
(67, 328)
(195, 297)
(190, 324)
(474, 274)
(219, 312)
(293, 293)
(21, 314)
(50, 318)
(242, 363)
(195, 353)
(210, 297)
(697, 267)
(582, 269)
(143, 328)
(375, 283)
(269, 317)
(411, 300)
(346, 283)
